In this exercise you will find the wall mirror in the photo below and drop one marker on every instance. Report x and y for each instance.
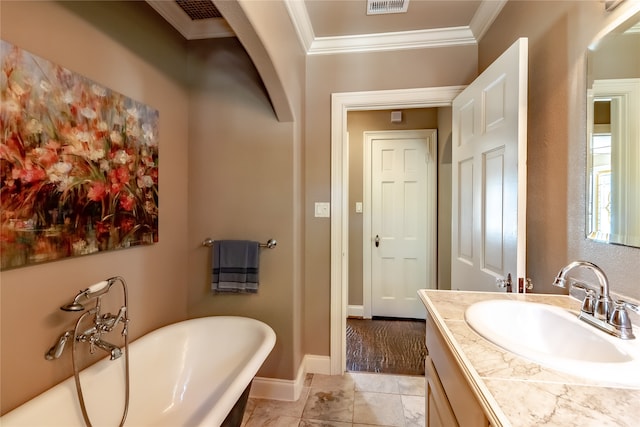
(613, 136)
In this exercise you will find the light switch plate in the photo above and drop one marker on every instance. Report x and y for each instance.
(322, 209)
(358, 207)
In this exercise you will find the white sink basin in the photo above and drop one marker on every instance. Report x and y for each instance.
(556, 338)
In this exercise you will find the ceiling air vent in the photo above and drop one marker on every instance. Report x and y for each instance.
(199, 9)
(380, 7)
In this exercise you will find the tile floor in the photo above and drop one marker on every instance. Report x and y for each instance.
(355, 399)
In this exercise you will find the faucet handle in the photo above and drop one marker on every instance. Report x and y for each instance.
(620, 319)
(92, 346)
(629, 305)
(108, 321)
(125, 328)
(589, 303)
(584, 286)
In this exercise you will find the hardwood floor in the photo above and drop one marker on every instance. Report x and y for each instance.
(386, 346)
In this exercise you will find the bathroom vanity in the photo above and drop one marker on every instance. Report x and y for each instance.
(472, 382)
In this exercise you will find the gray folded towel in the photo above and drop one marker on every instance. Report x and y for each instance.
(235, 266)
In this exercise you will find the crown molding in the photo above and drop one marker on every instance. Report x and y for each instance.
(191, 30)
(455, 36)
(300, 19)
(392, 41)
(487, 12)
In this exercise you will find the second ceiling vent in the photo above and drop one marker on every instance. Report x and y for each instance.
(380, 7)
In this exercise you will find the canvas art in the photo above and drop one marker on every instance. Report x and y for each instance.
(78, 164)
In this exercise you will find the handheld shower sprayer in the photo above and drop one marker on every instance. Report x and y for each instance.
(93, 291)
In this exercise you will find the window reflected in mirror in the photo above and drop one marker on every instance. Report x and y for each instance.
(600, 179)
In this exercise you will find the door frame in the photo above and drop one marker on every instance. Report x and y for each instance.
(341, 104)
(431, 194)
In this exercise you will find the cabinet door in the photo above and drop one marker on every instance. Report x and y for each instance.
(438, 410)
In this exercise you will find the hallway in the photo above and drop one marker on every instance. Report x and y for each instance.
(389, 346)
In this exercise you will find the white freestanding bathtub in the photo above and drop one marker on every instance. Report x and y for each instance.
(190, 373)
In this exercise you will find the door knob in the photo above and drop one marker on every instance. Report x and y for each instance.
(377, 240)
(504, 283)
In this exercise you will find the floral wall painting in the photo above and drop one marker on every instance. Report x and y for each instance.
(78, 164)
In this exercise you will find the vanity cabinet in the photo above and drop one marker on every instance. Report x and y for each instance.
(449, 398)
(438, 411)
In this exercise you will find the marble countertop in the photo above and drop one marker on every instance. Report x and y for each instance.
(517, 392)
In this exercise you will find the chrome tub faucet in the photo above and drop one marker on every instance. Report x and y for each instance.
(102, 323)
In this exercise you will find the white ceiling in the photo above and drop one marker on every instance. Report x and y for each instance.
(332, 26)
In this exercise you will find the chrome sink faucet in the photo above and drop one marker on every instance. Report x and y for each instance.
(603, 303)
(598, 309)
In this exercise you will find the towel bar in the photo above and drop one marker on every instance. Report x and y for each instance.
(271, 243)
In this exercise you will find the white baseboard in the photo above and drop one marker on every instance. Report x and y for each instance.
(275, 389)
(355, 311)
(290, 390)
(317, 364)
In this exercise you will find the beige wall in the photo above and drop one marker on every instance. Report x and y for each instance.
(241, 174)
(559, 33)
(357, 123)
(611, 59)
(119, 46)
(245, 169)
(327, 74)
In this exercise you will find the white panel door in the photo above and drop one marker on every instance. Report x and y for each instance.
(489, 175)
(402, 222)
